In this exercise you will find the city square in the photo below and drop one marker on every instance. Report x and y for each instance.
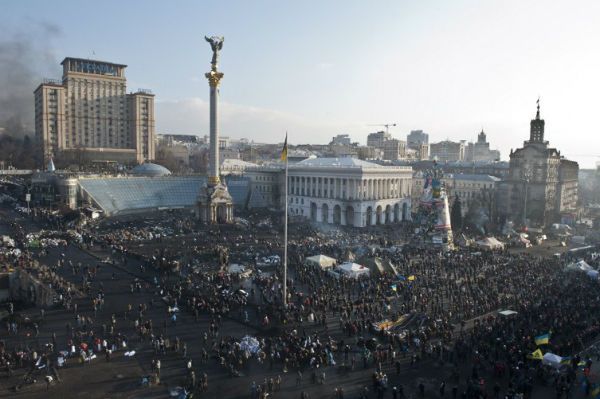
(204, 240)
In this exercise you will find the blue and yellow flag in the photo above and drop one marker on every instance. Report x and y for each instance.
(542, 339)
(537, 355)
(284, 150)
(566, 360)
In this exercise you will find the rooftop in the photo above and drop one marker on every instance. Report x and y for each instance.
(88, 60)
(150, 169)
(464, 176)
(337, 163)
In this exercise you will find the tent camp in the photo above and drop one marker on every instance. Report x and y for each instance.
(353, 270)
(490, 243)
(321, 261)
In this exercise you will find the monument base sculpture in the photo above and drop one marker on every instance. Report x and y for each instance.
(215, 204)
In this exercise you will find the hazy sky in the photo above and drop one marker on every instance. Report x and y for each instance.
(321, 68)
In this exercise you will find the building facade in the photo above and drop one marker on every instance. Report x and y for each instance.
(466, 187)
(341, 139)
(89, 115)
(266, 186)
(378, 139)
(349, 192)
(480, 150)
(448, 151)
(394, 150)
(541, 186)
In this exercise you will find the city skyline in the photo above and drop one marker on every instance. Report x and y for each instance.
(448, 69)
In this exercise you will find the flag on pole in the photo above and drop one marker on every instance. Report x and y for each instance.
(284, 150)
(542, 339)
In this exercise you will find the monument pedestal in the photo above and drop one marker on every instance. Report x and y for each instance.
(215, 204)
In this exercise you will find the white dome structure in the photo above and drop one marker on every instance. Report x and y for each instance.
(150, 170)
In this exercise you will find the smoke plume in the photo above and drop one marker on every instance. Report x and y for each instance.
(25, 59)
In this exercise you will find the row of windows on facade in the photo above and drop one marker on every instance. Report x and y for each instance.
(419, 182)
(464, 194)
(264, 188)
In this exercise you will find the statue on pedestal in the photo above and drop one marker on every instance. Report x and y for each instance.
(216, 43)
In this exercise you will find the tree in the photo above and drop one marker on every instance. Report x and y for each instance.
(456, 214)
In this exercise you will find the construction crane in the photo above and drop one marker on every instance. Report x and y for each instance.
(386, 125)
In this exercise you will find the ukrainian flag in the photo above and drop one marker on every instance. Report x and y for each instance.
(566, 360)
(537, 355)
(542, 339)
(284, 150)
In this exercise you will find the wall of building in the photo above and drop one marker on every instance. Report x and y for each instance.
(90, 109)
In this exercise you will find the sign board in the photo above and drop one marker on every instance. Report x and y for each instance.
(27, 197)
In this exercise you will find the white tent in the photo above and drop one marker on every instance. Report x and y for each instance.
(593, 274)
(580, 265)
(353, 270)
(550, 359)
(235, 268)
(490, 243)
(507, 312)
(322, 261)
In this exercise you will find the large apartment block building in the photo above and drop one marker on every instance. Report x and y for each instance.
(89, 115)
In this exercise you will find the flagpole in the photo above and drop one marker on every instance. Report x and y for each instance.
(285, 232)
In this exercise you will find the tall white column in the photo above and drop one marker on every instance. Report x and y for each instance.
(372, 189)
(214, 79)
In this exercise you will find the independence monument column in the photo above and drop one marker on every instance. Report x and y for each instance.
(214, 203)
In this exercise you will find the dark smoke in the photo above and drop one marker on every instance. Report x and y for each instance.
(25, 59)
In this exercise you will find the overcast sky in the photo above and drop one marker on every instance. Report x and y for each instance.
(321, 68)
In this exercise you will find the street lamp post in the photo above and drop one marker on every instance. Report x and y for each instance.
(526, 180)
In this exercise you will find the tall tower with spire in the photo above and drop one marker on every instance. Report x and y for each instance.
(541, 185)
(536, 131)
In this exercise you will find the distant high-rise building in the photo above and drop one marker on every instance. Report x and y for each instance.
(416, 138)
(480, 150)
(378, 139)
(448, 151)
(394, 150)
(341, 139)
(89, 115)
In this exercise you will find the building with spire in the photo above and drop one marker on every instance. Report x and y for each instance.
(541, 186)
(480, 150)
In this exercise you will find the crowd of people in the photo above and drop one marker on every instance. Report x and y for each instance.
(449, 308)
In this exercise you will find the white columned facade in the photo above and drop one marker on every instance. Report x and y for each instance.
(344, 191)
